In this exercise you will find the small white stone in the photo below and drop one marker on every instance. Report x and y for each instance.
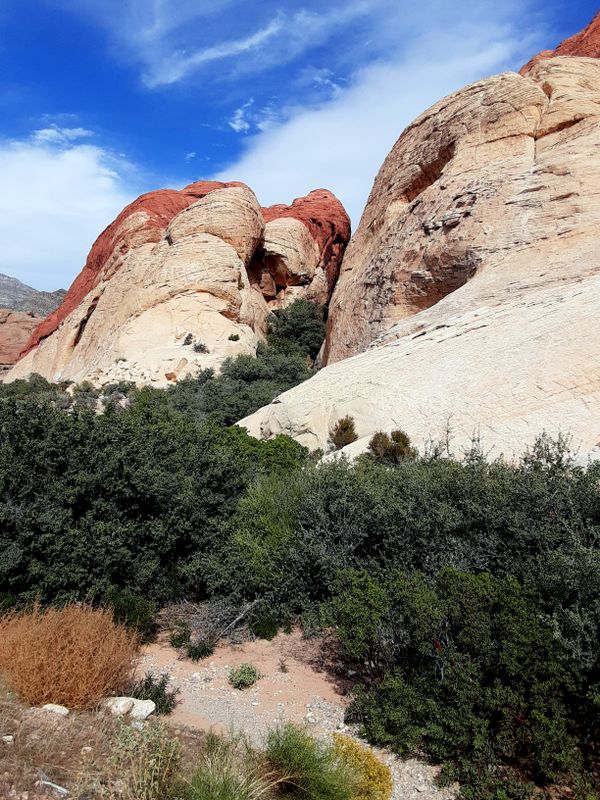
(119, 706)
(142, 709)
(8, 739)
(63, 711)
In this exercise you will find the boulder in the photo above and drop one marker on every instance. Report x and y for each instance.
(53, 708)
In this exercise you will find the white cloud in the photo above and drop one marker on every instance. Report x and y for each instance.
(176, 66)
(342, 143)
(238, 122)
(61, 136)
(54, 201)
(190, 156)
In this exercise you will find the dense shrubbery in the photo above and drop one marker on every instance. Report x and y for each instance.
(133, 498)
(466, 593)
(466, 669)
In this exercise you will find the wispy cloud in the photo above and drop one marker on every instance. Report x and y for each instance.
(341, 143)
(60, 136)
(238, 122)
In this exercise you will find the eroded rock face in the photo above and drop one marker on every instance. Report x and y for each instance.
(16, 328)
(182, 280)
(473, 281)
(586, 43)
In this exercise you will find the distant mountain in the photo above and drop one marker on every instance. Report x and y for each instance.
(20, 297)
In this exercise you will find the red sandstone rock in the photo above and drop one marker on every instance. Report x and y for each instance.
(585, 44)
(328, 223)
(158, 209)
(15, 329)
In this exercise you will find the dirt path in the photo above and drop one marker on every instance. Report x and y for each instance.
(293, 688)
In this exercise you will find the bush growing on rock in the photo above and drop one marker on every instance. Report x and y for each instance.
(392, 448)
(342, 433)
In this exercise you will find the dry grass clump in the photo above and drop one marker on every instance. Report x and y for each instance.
(45, 746)
(74, 655)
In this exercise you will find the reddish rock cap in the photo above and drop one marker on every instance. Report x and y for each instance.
(585, 44)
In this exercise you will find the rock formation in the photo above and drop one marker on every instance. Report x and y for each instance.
(20, 297)
(16, 328)
(474, 276)
(182, 279)
(586, 43)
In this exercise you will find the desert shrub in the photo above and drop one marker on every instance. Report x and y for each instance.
(146, 762)
(469, 673)
(200, 347)
(263, 624)
(155, 688)
(301, 323)
(148, 505)
(202, 648)
(308, 768)
(73, 656)
(244, 676)
(180, 635)
(392, 448)
(189, 339)
(342, 433)
(374, 777)
(234, 337)
(230, 769)
(135, 612)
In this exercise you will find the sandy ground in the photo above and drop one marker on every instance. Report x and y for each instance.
(295, 687)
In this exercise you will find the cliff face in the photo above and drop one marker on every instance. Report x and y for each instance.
(182, 279)
(473, 276)
(15, 329)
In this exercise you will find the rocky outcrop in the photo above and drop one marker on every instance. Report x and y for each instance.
(20, 297)
(586, 44)
(182, 279)
(16, 328)
(473, 280)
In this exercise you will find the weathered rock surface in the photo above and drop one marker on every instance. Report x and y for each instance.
(181, 280)
(16, 328)
(474, 276)
(586, 43)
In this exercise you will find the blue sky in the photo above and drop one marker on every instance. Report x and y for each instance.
(103, 99)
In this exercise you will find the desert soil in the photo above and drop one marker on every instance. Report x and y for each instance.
(295, 686)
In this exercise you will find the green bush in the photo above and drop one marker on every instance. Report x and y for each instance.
(135, 612)
(180, 635)
(244, 676)
(302, 324)
(343, 433)
(308, 768)
(155, 687)
(469, 673)
(264, 625)
(203, 648)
